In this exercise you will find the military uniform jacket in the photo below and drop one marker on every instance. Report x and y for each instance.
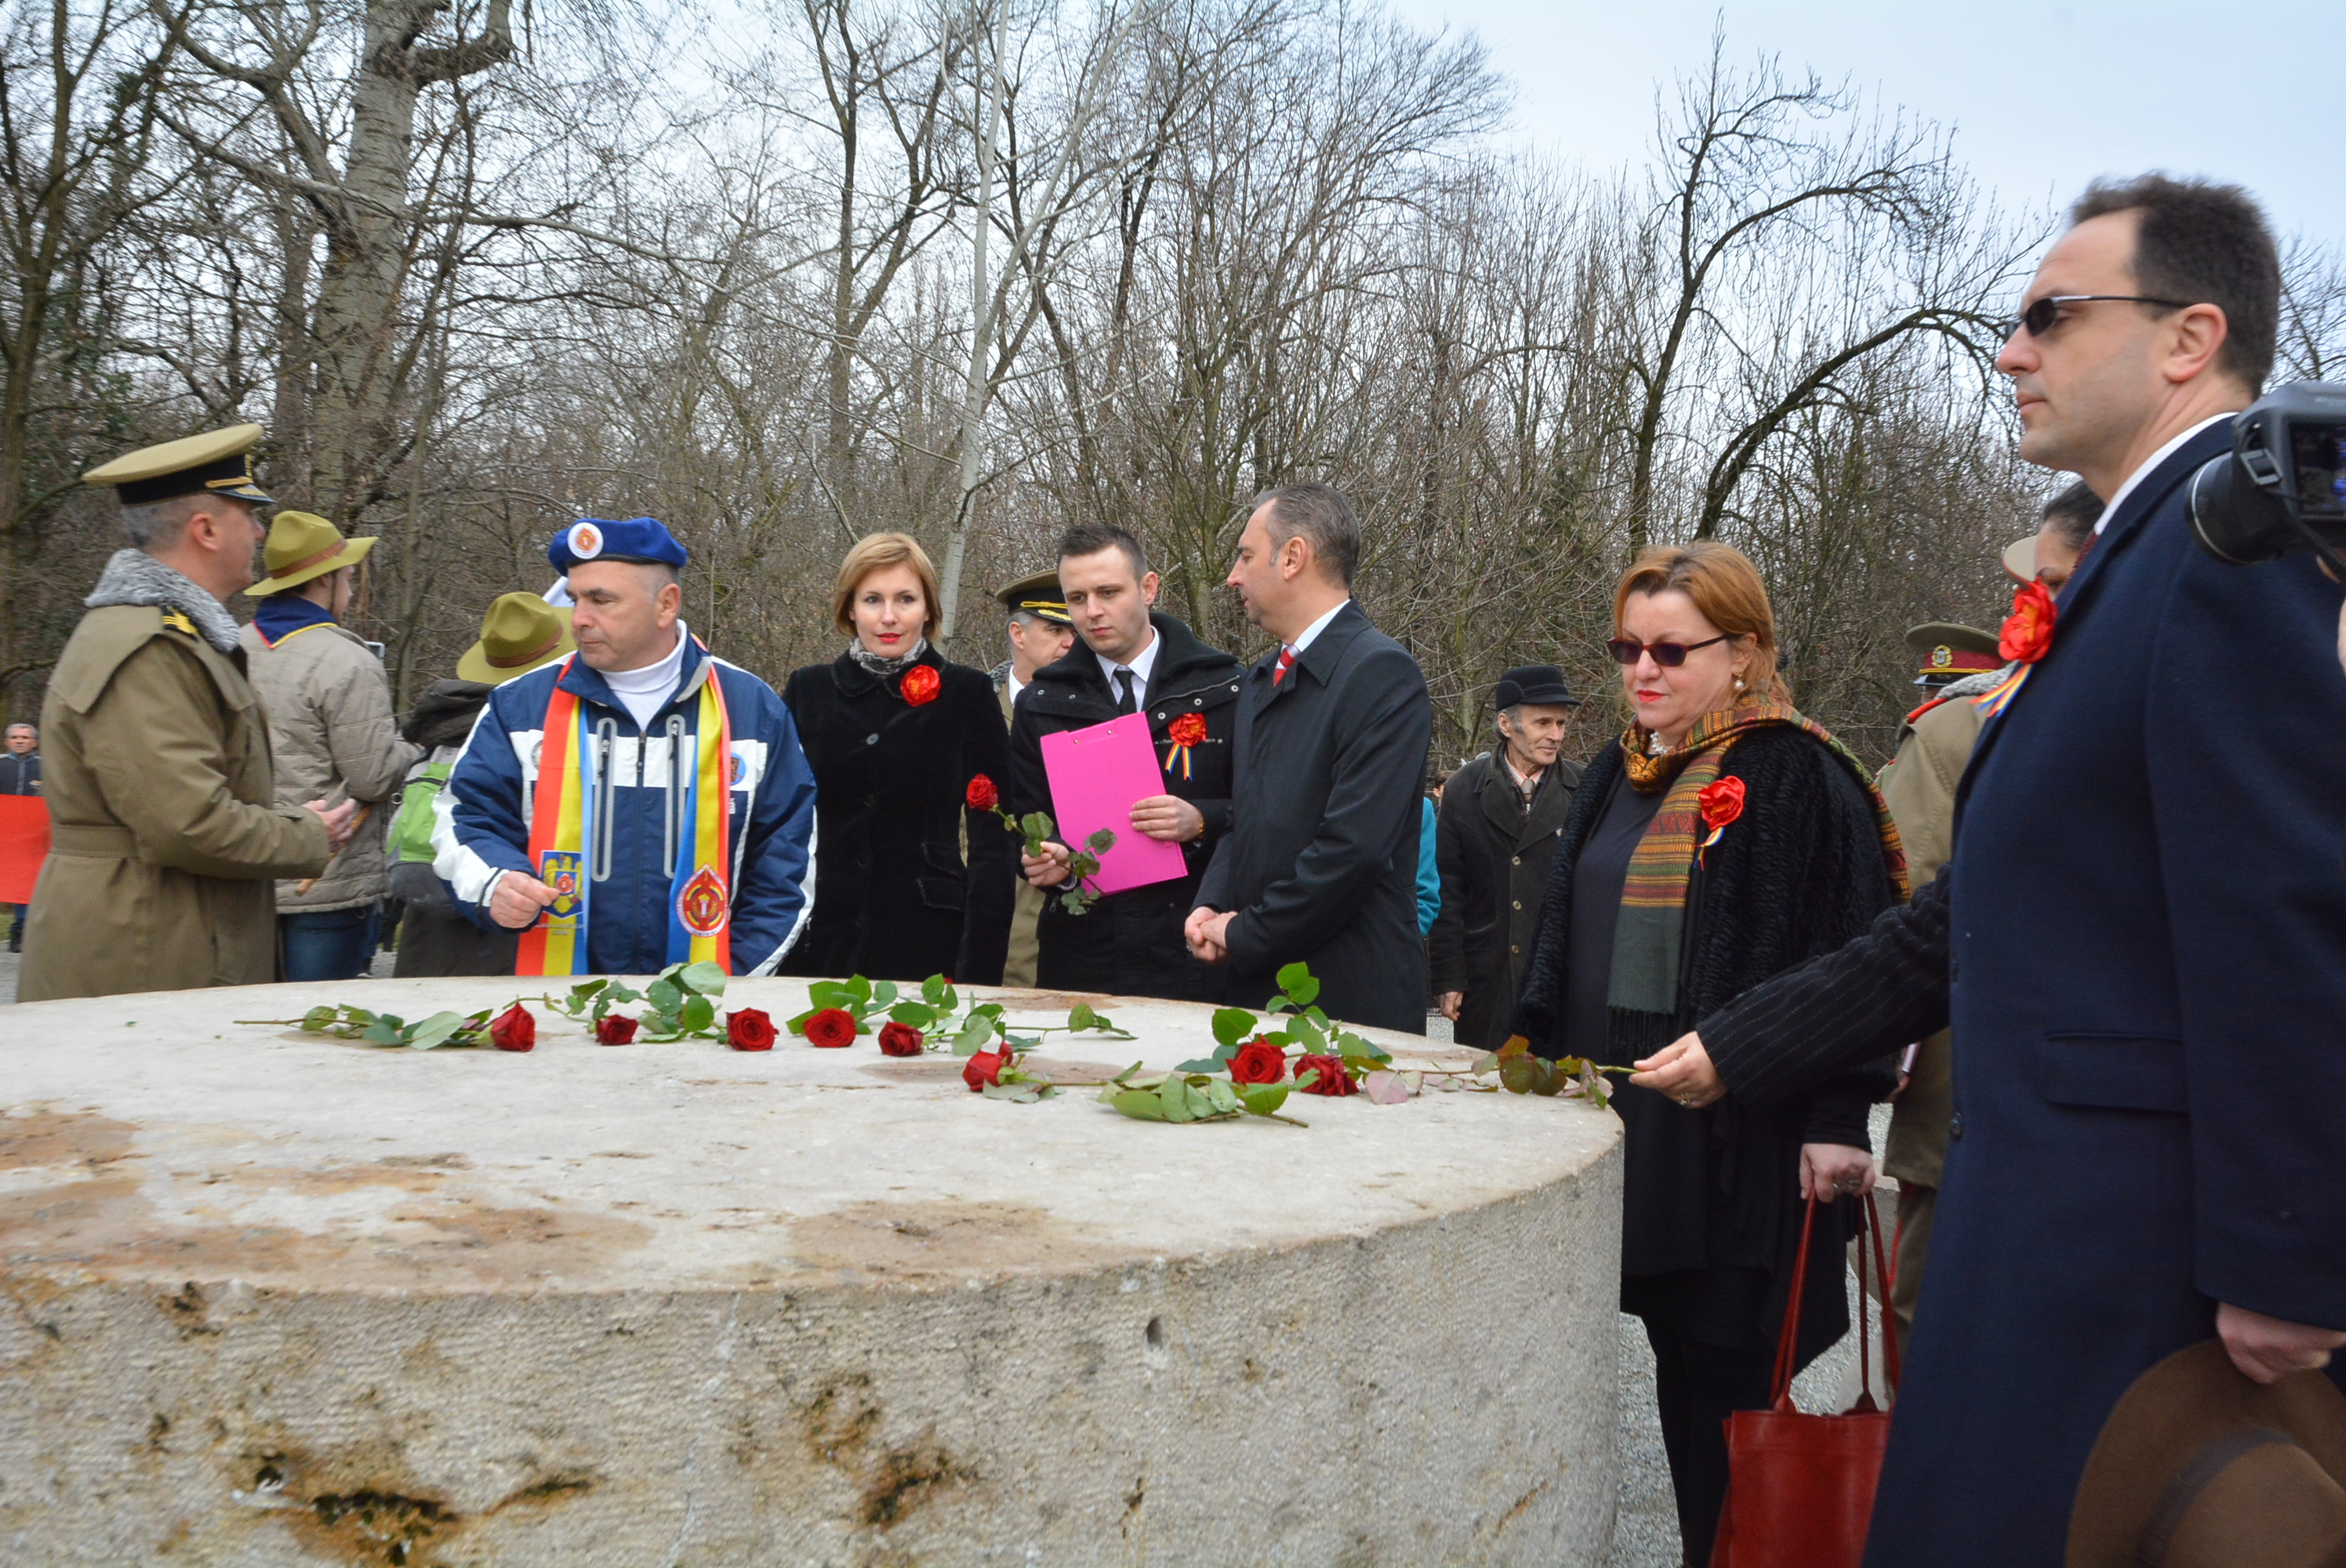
(165, 835)
(1494, 861)
(1131, 944)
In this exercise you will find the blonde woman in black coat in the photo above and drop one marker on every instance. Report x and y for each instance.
(894, 734)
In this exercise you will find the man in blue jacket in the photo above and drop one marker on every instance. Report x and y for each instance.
(639, 803)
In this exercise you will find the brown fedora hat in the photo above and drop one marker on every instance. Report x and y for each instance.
(2198, 1467)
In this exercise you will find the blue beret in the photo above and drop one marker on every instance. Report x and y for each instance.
(596, 539)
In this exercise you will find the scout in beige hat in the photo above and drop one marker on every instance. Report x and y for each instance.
(2198, 1467)
(302, 546)
(216, 462)
(520, 633)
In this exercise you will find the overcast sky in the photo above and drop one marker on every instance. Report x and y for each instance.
(2041, 98)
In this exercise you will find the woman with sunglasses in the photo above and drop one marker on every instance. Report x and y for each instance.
(1722, 839)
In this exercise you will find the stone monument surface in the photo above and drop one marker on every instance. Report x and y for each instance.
(270, 1297)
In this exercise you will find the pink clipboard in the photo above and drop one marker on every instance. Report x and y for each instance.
(1096, 776)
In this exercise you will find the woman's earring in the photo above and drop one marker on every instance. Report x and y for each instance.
(1738, 683)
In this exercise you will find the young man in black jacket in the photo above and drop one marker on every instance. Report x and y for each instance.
(1129, 659)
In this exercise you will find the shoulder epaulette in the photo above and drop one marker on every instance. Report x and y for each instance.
(177, 620)
(1934, 702)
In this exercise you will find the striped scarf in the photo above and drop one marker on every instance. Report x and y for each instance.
(1649, 934)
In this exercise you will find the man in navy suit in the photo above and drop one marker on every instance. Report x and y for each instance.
(1320, 862)
(2141, 939)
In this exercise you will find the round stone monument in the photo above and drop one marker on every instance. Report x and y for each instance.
(274, 1297)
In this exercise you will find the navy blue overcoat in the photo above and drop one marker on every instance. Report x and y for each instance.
(2149, 997)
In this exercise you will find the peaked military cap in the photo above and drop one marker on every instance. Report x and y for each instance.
(643, 539)
(1944, 651)
(302, 546)
(1039, 595)
(213, 464)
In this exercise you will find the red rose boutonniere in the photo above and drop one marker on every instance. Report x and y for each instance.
(2027, 633)
(1184, 732)
(1258, 1061)
(752, 1030)
(919, 684)
(1721, 801)
(831, 1028)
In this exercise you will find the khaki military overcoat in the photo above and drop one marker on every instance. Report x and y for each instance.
(165, 839)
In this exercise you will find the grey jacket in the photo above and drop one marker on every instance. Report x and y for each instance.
(330, 723)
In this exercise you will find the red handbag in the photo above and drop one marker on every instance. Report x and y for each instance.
(1799, 1488)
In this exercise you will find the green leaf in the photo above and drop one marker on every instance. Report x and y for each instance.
(704, 977)
(1202, 1064)
(434, 1030)
(1081, 1016)
(1141, 1104)
(1100, 843)
(1350, 1044)
(587, 988)
(1518, 1073)
(1262, 1099)
(1174, 1096)
(883, 993)
(976, 1032)
(1302, 1031)
(1037, 825)
(318, 1020)
(1292, 977)
(698, 1013)
(1225, 1098)
(1202, 1108)
(915, 1015)
(797, 1025)
(828, 993)
(1305, 1079)
(933, 990)
(1516, 1045)
(665, 996)
(1488, 1062)
(1233, 1025)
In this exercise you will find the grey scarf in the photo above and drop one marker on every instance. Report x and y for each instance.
(885, 669)
(135, 577)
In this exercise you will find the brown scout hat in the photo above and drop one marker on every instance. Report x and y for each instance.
(302, 546)
(2198, 1467)
(520, 633)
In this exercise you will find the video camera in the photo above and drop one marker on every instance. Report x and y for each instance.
(2282, 486)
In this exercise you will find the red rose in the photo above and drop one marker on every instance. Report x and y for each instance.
(514, 1029)
(984, 1068)
(1259, 1061)
(982, 795)
(752, 1030)
(831, 1028)
(1721, 801)
(900, 1040)
(611, 1029)
(919, 684)
(1333, 1079)
(1187, 730)
(2028, 632)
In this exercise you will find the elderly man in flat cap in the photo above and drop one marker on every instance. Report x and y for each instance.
(637, 803)
(1494, 840)
(166, 834)
(330, 723)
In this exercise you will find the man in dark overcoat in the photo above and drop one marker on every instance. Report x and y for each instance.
(1132, 659)
(1320, 865)
(2140, 941)
(1494, 840)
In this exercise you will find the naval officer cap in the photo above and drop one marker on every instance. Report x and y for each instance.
(213, 464)
(642, 540)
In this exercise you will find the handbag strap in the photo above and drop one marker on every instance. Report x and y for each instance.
(1780, 1397)
(1889, 1278)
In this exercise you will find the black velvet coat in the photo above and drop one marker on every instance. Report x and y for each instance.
(1494, 861)
(1800, 874)
(1321, 863)
(1131, 944)
(892, 897)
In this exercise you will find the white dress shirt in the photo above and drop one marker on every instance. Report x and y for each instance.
(1142, 663)
(1303, 639)
(2155, 458)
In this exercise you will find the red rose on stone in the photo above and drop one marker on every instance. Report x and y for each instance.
(919, 684)
(613, 1030)
(984, 1068)
(1259, 1061)
(1721, 801)
(752, 1030)
(982, 795)
(831, 1028)
(1189, 730)
(514, 1029)
(2028, 632)
(1333, 1079)
(900, 1040)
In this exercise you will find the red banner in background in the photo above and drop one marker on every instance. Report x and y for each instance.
(24, 845)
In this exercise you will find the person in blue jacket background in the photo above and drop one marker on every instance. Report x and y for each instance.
(580, 812)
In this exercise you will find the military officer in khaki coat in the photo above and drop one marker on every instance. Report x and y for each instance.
(1040, 632)
(166, 839)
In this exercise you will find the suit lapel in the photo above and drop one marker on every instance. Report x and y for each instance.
(1550, 806)
(1498, 796)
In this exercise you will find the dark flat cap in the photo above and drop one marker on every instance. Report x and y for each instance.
(1537, 683)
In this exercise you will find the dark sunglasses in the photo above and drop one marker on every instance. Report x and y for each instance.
(2043, 314)
(1669, 656)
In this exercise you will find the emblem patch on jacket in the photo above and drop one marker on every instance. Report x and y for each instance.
(701, 905)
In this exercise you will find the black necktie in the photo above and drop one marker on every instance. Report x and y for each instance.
(1126, 704)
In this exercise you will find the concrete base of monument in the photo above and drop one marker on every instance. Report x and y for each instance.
(269, 1298)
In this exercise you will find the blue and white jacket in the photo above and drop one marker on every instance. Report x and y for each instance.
(484, 813)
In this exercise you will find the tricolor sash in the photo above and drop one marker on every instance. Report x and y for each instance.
(700, 895)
